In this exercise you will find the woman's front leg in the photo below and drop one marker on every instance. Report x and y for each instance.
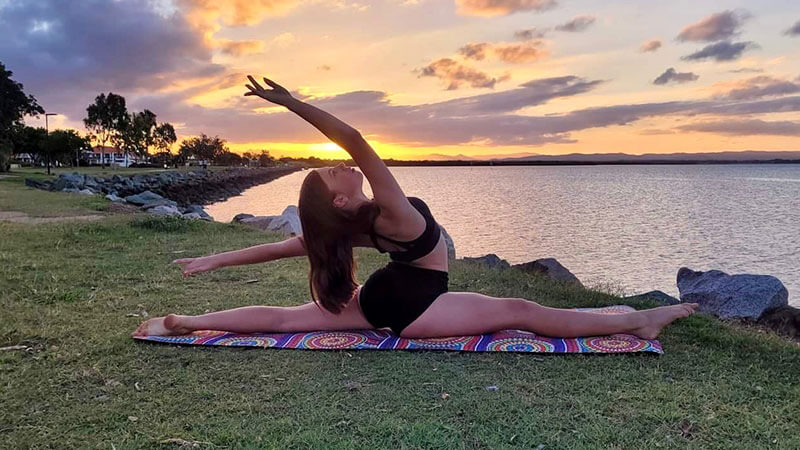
(247, 319)
(260, 319)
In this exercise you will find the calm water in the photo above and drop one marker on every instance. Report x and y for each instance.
(630, 225)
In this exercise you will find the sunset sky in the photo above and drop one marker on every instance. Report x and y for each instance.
(481, 78)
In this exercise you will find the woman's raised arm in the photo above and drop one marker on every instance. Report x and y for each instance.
(294, 246)
(385, 188)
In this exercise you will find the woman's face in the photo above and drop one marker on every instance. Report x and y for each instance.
(341, 179)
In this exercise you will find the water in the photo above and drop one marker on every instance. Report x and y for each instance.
(633, 226)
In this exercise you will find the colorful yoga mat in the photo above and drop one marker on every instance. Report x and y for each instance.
(501, 341)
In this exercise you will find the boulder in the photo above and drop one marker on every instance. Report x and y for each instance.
(549, 267)
(731, 296)
(164, 210)
(37, 184)
(191, 215)
(451, 247)
(659, 296)
(86, 192)
(490, 260)
(148, 199)
(198, 209)
(785, 320)
(115, 198)
(288, 223)
(67, 181)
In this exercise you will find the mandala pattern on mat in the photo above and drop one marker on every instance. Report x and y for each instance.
(500, 341)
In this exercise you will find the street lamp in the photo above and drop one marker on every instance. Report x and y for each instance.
(47, 132)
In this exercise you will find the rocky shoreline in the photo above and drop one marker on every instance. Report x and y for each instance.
(184, 187)
(170, 193)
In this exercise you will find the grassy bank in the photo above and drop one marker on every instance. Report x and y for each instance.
(72, 292)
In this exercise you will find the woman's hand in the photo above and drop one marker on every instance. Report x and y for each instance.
(278, 94)
(192, 266)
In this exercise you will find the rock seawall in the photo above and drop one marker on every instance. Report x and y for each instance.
(195, 187)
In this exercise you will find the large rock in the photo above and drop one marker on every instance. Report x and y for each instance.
(659, 296)
(550, 268)
(731, 296)
(451, 247)
(199, 210)
(490, 260)
(165, 210)
(241, 216)
(288, 223)
(785, 320)
(67, 181)
(148, 199)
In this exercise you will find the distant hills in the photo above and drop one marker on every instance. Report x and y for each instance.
(606, 158)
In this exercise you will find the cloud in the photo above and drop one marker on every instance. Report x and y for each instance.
(715, 27)
(757, 87)
(208, 13)
(745, 127)
(531, 93)
(523, 52)
(678, 77)
(89, 47)
(721, 51)
(650, 46)
(490, 8)
(794, 30)
(530, 33)
(577, 24)
(489, 117)
(476, 51)
(456, 74)
(746, 70)
(239, 48)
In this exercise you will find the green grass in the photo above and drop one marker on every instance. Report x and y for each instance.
(66, 290)
(15, 196)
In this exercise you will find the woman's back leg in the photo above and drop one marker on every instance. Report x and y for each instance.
(472, 313)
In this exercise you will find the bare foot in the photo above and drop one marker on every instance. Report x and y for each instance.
(162, 326)
(658, 318)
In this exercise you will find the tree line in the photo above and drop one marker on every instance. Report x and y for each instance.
(107, 121)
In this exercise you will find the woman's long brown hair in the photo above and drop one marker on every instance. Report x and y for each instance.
(328, 234)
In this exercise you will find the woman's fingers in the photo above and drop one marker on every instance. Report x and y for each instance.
(255, 83)
(270, 82)
(182, 260)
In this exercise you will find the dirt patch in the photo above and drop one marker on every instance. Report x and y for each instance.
(21, 217)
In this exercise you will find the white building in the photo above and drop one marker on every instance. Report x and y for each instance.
(113, 156)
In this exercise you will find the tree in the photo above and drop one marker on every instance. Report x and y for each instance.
(14, 105)
(228, 159)
(60, 145)
(203, 147)
(105, 120)
(265, 160)
(141, 131)
(30, 140)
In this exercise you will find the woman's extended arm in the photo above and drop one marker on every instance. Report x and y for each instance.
(385, 188)
(260, 253)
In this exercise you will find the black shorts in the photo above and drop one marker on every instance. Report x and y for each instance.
(397, 294)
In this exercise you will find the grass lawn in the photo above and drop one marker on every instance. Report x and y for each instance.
(69, 291)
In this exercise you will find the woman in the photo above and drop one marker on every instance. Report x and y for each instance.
(409, 295)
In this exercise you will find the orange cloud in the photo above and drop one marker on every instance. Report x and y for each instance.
(456, 74)
(239, 48)
(235, 12)
(527, 51)
(490, 8)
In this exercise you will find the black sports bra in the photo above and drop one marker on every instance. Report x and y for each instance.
(420, 246)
